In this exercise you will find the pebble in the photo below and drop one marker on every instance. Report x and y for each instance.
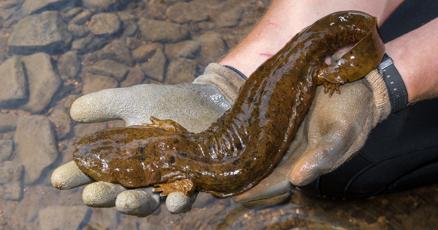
(212, 47)
(138, 202)
(109, 68)
(93, 83)
(145, 52)
(8, 122)
(101, 5)
(62, 217)
(36, 146)
(181, 71)
(155, 30)
(69, 65)
(105, 24)
(135, 76)
(154, 67)
(6, 147)
(177, 202)
(61, 120)
(13, 88)
(82, 17)
(11, 187)
(228, 18)
(184, 49)
(32, 6)
(43, 81)
(45, 32)
(183, 12)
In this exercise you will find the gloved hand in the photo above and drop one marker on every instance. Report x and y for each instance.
(195, 106)
(335, 128)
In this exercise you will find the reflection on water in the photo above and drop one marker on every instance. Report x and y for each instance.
(52, 51)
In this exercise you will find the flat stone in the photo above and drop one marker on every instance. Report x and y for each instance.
(154, 67)
(135, 76)
(62, 217)
(183, 12)
(181, 71)
(116, 50)
(8, 122)
(89, 43)
(43, 81)
(78, 31)
(156, 9)
(36, 146)
(184, 49)
(101, 5)
(6, 147)
(93, 83)
(45, 32)
(228, 18)
(12, 191)
(212, 47)
(11, 187)
(104, 24)
(155, 30)
(70, 13)
(109, 68)
(61, 120)
(69, 65)
(32, 6)
(145, 52)
(13, 89)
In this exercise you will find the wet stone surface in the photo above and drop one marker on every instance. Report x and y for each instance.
(53, 51)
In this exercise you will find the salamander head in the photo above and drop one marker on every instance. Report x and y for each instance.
(132, 157)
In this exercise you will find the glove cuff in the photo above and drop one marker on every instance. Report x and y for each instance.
(380, 94)
(226, 80)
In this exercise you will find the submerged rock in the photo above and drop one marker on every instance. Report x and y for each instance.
(154, 67)
(184, 49)
(109, 68)
(43, 81)
(155, 30)
(8, 122)
(145, 52)
(101, 5)
(36, 146)
(93, 83)
(62, 217)
(135, 76)
(105, 24)
(69, 65)
(183, 12)
(32, 6)
(180, 71)
(45, 32)
(212, 47)
(13, 89)
(11, 187)
(6, 147)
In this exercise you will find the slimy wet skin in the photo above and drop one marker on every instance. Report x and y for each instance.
(249, 140)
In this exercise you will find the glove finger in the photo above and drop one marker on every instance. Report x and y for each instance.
(178, 202)
(137, 202)
(68, 176)
(325, 155)
(101, 194)
(107, 104)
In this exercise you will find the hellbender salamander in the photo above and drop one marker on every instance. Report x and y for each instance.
(247, 142)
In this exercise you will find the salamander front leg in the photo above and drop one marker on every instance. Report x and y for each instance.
(330, 88)
(167, 124)
(185, 186)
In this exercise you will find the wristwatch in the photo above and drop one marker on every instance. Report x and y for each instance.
(398, 95)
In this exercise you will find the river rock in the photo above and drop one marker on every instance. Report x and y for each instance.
(116, 50)
(13, 87)
(8, 122)
(62, 217)
(89, 43)
(154, 67)
(228, 18)
(43, 81)
(6, 147)
(145, 52)
(78, 31)
(61, 120)
(69, 65)
(135, 76)
(183, 12)
(185, 49)
(70, 13)
(104, 24)
(10, 180)
(109, 68)
(36, 145)
(212, 47)
(181, 70)
(82, 17)
(32, 6)
(155, 30)
(41, 32)
(93, 83)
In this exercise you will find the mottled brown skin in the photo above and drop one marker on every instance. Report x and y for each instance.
(248, 141)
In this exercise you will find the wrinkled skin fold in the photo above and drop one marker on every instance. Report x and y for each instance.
(248, 141)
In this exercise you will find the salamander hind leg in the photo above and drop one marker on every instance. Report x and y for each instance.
(167, 124)
(330, 88)
(185, 186)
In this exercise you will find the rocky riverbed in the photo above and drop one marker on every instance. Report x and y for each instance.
(52, 51)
